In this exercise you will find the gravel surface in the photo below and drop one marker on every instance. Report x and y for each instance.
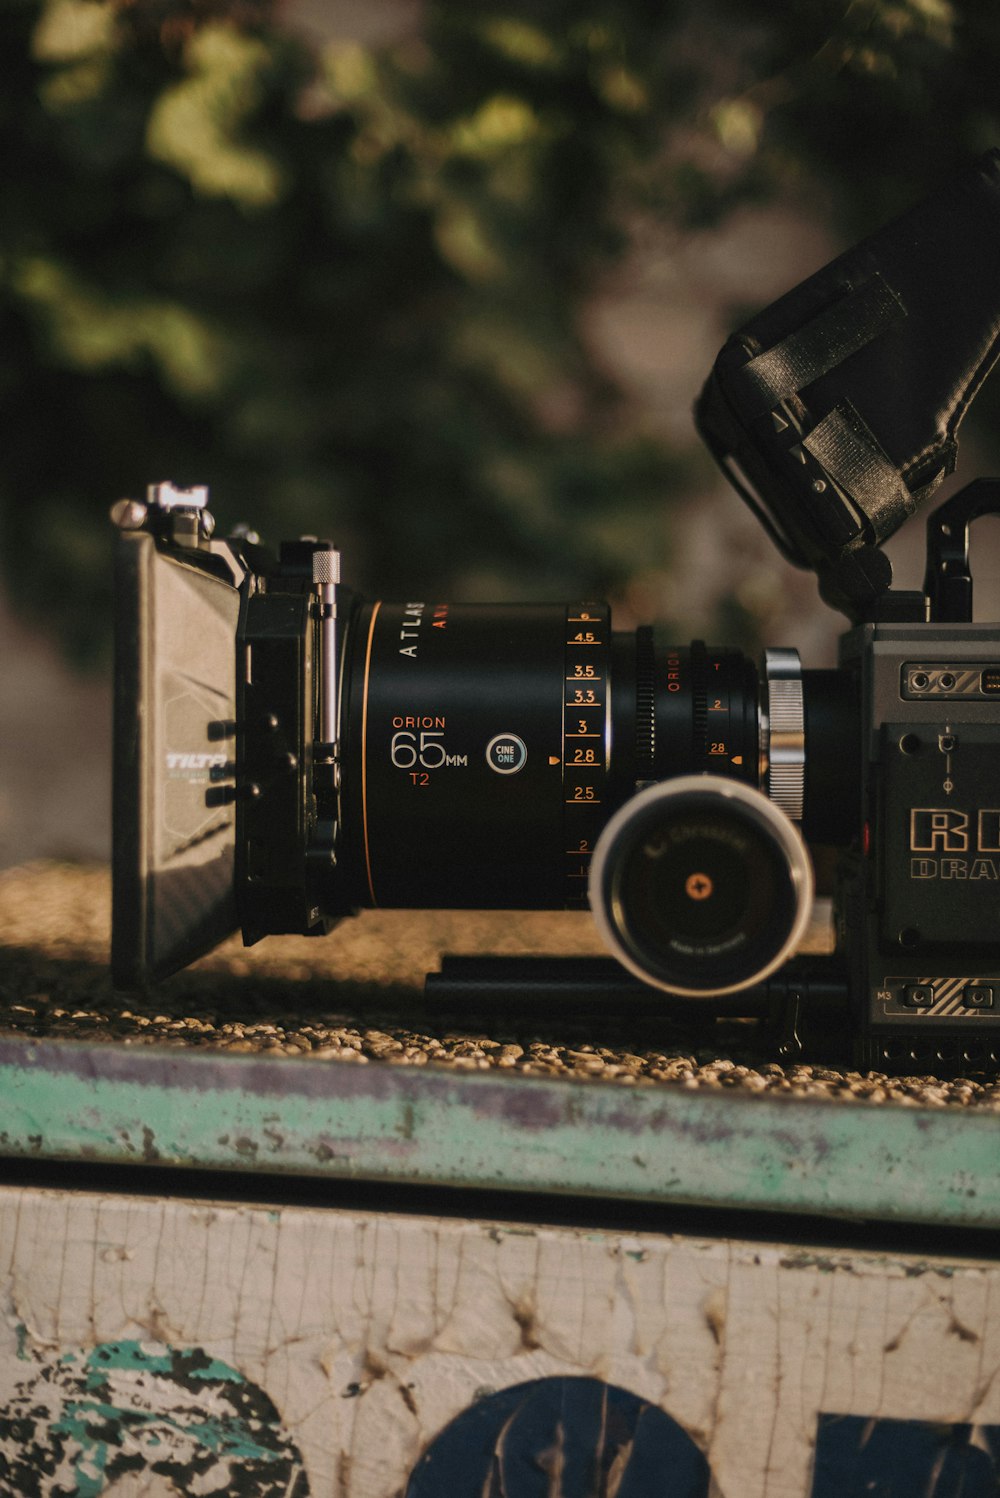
(355, 998)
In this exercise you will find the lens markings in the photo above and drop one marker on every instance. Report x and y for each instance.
(584, 758)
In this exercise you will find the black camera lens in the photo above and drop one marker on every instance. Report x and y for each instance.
(700, 886)
(483, 748)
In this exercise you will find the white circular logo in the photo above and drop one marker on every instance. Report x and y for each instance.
(506, 753)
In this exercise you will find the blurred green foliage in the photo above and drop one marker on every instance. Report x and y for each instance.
(345, 288)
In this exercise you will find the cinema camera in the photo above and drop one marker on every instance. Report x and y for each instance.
(287, 752)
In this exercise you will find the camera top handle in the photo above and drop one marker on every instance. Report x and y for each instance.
(948, 580)
(835, 411)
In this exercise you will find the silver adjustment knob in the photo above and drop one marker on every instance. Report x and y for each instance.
(326, 577)
(784, 732)
(167, 496)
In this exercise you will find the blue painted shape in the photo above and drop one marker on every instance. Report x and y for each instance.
(141, 1407)
(572, 1436)
(857, 1457)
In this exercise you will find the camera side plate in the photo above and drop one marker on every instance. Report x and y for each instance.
(941, 837)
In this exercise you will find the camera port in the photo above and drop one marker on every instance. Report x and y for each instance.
(701, 886)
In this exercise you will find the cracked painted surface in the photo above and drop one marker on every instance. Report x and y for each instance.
(353, 1341)
(80, 1423)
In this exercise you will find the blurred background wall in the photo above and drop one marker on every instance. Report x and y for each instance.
(440, 280)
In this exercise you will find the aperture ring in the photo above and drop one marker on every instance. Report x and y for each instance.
(784, 732)
(586, 741)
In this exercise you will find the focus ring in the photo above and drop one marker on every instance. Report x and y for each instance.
(785, 768)
(645, 705)
(699, 703)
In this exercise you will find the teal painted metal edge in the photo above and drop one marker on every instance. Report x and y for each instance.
(434, 1126)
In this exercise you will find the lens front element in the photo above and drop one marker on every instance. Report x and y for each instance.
(700, 886)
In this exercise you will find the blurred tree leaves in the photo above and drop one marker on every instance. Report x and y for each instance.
(346, 289)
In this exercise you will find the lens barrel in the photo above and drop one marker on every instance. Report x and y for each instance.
(476, 744)
(485, 746)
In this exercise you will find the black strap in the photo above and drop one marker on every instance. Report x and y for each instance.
(841, 329)
(844, 445)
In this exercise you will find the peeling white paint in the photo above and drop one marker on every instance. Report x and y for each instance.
(369, 1333)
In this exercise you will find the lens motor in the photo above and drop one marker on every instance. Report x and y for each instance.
(699, 885)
